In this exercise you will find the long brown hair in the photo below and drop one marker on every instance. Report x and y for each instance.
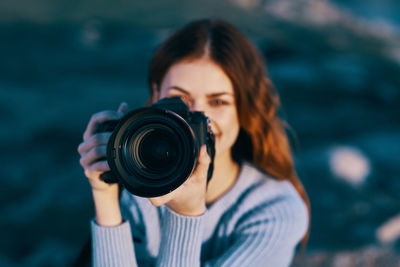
(262, 138)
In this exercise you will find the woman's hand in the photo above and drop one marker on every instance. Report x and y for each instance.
(190, 198)
(93, 160)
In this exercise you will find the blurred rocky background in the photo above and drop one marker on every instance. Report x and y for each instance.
(335, 63)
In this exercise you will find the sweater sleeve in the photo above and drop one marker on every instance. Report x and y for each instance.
(266, 235)
(112, 246)
(181, 239)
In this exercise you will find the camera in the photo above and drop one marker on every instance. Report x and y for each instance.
(153, 150)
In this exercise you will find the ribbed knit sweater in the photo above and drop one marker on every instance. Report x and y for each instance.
(258, 222)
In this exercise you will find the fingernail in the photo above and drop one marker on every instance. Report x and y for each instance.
(122, 107)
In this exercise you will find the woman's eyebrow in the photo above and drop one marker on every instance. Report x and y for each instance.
(179, 89)
(219, 94)
(209, 95)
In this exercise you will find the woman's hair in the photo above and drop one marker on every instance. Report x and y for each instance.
(262, 139)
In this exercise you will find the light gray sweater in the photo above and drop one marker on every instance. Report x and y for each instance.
(258, 222)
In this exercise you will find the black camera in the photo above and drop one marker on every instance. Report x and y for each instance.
(153, 150)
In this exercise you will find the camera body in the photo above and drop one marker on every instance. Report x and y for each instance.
(153, 150)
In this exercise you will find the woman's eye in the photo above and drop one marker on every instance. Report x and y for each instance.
(186, 99)
(218, 102)
(182, 97)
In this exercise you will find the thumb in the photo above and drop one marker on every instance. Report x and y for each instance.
(123, 108)
(204, 158)
(202, 165)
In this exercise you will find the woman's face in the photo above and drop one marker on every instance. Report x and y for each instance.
(205, 87)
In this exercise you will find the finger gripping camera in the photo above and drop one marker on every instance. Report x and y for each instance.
(153, 150)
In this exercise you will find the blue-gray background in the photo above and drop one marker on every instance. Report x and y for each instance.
(335, 63)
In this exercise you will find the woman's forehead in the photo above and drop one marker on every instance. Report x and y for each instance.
(201, 76)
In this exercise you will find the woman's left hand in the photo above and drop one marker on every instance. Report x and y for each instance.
(190, 198)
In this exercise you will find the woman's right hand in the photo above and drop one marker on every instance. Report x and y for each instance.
(94, 147)
(93, 160)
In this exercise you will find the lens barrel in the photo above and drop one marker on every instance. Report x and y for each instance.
(152, 151)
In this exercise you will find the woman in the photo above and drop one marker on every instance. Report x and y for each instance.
(253, 212)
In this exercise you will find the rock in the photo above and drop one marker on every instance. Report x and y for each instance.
(389, 232)
(349, 164)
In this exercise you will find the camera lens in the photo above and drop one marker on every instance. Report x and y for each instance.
(158, 149)
(155, 151)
